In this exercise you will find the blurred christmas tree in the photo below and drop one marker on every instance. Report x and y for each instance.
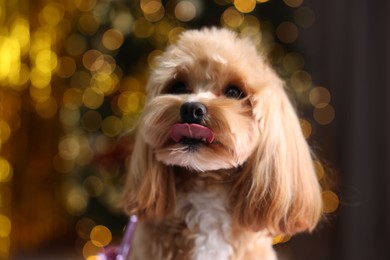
(72, 76)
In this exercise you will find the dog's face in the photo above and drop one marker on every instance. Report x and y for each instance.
(214, 103)
(205, 102)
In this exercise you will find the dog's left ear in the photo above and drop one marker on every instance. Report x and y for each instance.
(149, 191)
(278, 189)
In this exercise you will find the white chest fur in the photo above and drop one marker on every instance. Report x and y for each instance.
(206, 214)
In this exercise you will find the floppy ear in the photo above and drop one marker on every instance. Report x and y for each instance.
(149, 190)
(278, 189)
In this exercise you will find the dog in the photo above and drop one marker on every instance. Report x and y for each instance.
(220, 165)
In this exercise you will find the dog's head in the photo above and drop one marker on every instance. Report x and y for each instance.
(214, 103)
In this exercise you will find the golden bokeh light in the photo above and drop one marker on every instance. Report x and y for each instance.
(91, 250)
(324, 115)
(306, 127)
(112, 126)
(47, 108)
(112, 39)
(232, 18)
(319, 169)
(87, 24)
(293, 62)
(76, 201)
(5, 132)
(93, 98)
(5, 170)
(185, 11)
(5, 226)
(319, 97)
(142, 28)
(301, 81)
(52, 14)
(66, 67)
(84, 227)
(100, 236)
(330, 201)
(245, 6)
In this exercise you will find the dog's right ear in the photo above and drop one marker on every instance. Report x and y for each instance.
(149, 190)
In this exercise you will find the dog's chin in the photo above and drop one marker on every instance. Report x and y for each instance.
(197, 155)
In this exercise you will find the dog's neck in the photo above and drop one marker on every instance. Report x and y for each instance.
(211, 177)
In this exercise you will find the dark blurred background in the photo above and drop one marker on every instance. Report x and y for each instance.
(72, 76)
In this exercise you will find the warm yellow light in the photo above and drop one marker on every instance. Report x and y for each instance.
(84, 227)
(152, 57)
(100, 236)
(66, 66)
(324, 115)
(301, 81)
(142, 28)
(5, 226)
(319, 169)
(232, 18)
(251, 23)
(69, 147)
(5, 170)
(46, 61)
(93, 98)
(5, 132)
(153, 10)
(40, 94)
(185, 11)
(306, 127)
(5, 244)
(293, 62)
(174, 34)
(40, 79)
(52, 14)
(330, 201)
(88, 24)
(245, 6)
(90, 250)
(20, 31)
(112, 126)
(112, 39)
(85, 5)
(72, 98)
(76, 201)
(319, 97)
(128, 102)
(47, 109)
(9, 57)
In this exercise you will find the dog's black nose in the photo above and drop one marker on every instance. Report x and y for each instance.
(192, 112)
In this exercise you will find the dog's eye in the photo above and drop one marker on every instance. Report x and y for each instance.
(178, 88)
(232, 91)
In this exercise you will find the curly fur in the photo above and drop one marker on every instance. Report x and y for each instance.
(226, 199)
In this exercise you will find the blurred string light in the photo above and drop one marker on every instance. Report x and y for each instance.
(59, 62)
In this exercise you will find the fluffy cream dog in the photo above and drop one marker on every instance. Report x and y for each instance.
(220, 164)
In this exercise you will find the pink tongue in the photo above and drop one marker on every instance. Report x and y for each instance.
(194, 131)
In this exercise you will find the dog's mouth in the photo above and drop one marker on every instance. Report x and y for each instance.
(191, 134)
